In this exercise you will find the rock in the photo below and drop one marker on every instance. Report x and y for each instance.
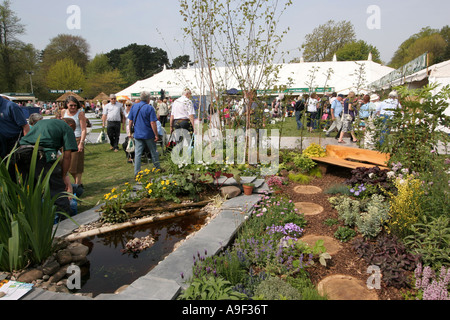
(230, 191)
(78, 249)
(61, 273)
(50, 267)
(30, 275)
(64, 257)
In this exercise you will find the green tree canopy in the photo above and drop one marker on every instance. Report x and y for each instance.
(65, 74)
(146, 60)
(434, 41)
(66, 46)
(327, 39)
(357, 51)
(109, 81)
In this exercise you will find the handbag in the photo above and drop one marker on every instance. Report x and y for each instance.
(130, 146)
(102, 137)
(171, 144)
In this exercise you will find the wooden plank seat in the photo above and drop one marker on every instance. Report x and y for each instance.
(353, 158)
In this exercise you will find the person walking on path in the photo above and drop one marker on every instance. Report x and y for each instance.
(183, 112)
(163, 112)
(312, 112)
(13, 125)
(73, 110)
(113, 117)
(348, 116)
(143, 117)
(336, 113)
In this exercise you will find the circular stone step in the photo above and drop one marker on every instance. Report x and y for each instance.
(343, 287)
(307, 189)
(309, 208)
(331, 244)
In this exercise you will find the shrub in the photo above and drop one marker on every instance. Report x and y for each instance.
(391, 256)
(299, 178)
(430, 285)
(405, 206)
(431, 239)
(314, 150)
(303, 163)
(275, 288)
(211, 288)
(344, 234)
(338, 189)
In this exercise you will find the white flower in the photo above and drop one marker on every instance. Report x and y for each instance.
(371, 175)
(390, 174)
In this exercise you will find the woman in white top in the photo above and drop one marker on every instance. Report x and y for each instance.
(311, 111)
(73, 109)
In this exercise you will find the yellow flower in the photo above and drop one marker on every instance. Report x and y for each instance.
(150, 191)
(153, 170)
(113, 190)
(162, 182)
(164, 188)
(167, 182)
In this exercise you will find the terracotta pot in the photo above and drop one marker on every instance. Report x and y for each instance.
(248, 190)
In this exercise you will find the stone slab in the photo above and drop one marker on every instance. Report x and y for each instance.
(343, 287)
(307, 189)
(309, 208)
(331, 244)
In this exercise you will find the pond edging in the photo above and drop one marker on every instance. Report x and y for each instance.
(164, 282)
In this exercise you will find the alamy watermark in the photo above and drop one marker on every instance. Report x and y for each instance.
(374, 20)
(374, 280)
(73, 22)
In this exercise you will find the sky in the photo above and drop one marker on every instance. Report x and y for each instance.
(113, 24)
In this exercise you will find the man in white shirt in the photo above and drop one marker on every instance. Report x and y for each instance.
(113, 116)
(182, 116)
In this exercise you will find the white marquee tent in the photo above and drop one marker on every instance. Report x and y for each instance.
(344, 77)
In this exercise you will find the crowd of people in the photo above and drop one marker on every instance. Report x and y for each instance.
(64, 135)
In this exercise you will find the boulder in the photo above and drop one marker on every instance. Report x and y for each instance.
(78, 249)
(64, 257)
(30, 275)
(230, 191)
(50, 267)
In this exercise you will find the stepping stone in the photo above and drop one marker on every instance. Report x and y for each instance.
(331, 244)
(343, 287)
(307, 189)
(309, 208)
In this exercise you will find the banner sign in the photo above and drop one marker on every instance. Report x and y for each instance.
(408, 69)
(65, 91)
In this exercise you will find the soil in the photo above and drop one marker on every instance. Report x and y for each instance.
(345, 261)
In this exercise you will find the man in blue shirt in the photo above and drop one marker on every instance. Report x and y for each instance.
(336, 112)
(143, 117)
(13, 125)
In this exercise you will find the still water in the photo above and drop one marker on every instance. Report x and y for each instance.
(109, 267)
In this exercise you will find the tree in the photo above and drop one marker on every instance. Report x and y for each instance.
(100, 64)
(10, 28)
(402, 55)
(65, 74)
(181, 62)
(146, 60)
(327, 39)
(109, 81)
(66, 46)
(358, 51)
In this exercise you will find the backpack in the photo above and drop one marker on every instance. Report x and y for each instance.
(300, 105)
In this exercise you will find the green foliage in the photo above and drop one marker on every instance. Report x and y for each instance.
(431, 239)
(211, 288)
(27, 214)
(415, 134)
(275, 288)
(299, 178)
(314, 150)
(65, 74)
(368, 216)
(303, 163)
(337, 189)
(331, 222)
(303, 284)
(344, 234)
(358, 51)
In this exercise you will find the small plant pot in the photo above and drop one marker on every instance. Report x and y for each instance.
(248, 190)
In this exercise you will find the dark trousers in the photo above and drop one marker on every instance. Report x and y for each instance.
(113, 131)
(22, 158)
(7, 144)
(163, 120)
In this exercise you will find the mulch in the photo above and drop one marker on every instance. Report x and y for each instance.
(346, 261)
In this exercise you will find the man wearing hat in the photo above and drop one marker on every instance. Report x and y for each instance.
(113, 116)
(336, 112)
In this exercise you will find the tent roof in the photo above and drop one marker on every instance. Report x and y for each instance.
(101, 96)
(342, 80)
(65, 95)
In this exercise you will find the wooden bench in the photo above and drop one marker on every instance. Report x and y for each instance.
(352, 158)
